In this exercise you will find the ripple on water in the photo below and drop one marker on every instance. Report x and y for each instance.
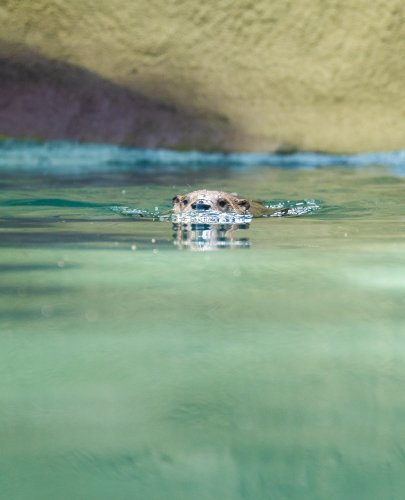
(287, 208)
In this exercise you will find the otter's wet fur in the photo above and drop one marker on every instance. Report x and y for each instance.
(219, 201)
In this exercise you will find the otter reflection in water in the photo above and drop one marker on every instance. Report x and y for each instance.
(203, 237)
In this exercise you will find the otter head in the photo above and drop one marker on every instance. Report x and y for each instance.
(210, 200)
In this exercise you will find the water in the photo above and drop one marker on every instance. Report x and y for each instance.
(270, 365)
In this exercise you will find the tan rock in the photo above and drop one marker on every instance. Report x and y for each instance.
(243, 75)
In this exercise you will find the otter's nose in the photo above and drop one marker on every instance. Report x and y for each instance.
(200, 205)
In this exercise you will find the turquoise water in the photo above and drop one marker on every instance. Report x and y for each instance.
(270, 365)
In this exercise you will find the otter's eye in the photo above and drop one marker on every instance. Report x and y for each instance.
(222, 203)
(185, 202)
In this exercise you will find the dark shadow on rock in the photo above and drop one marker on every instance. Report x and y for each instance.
(42, 98)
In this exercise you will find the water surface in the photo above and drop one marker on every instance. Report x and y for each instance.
(135, 368)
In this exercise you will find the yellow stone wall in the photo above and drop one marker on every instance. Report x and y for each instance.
(313, 74)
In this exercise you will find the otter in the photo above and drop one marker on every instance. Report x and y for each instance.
(220, 201)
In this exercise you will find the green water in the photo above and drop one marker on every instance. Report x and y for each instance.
(132, 368)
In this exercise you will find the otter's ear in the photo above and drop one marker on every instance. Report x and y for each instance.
(175, 200)
(244, 204)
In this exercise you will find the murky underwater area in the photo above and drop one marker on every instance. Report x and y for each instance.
(138, 361)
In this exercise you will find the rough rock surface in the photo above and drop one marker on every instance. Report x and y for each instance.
(317, 74)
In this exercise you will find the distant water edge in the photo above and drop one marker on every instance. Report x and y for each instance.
(76, 157)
